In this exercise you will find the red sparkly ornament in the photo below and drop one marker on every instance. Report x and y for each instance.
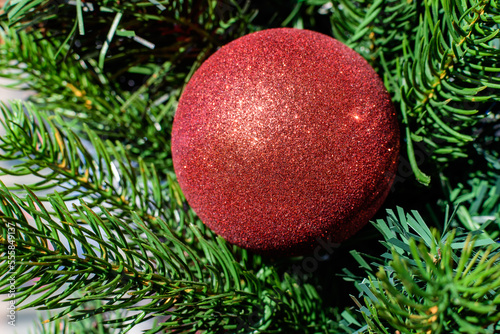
(284, 137)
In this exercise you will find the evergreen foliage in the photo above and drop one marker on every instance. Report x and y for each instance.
(434, 282)
(439, 60)
(105, 240)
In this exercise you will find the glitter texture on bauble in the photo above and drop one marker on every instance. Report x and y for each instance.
(284, 137)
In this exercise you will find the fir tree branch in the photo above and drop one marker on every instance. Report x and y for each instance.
(438, 60)
(90, 253)
(444, 283)
(478, 204)
(41, 142)
(74, 89)
(141, 62)
(93, 325)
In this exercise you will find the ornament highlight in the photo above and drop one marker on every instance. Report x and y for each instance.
(284, 137)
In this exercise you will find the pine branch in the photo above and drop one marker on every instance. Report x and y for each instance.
(47, 148)
(74, 90)
(121, 264)
(43, 143)
(478, 204)
(137, 29)
(118, 270)
(92, 325)
(139, 53)
(443, 283)
(438, 59)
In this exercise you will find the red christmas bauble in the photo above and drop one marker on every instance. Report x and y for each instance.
(284, 137)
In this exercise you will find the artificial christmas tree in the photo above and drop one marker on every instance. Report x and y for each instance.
(106, 240)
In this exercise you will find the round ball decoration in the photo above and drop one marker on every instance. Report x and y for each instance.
(283, 138)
